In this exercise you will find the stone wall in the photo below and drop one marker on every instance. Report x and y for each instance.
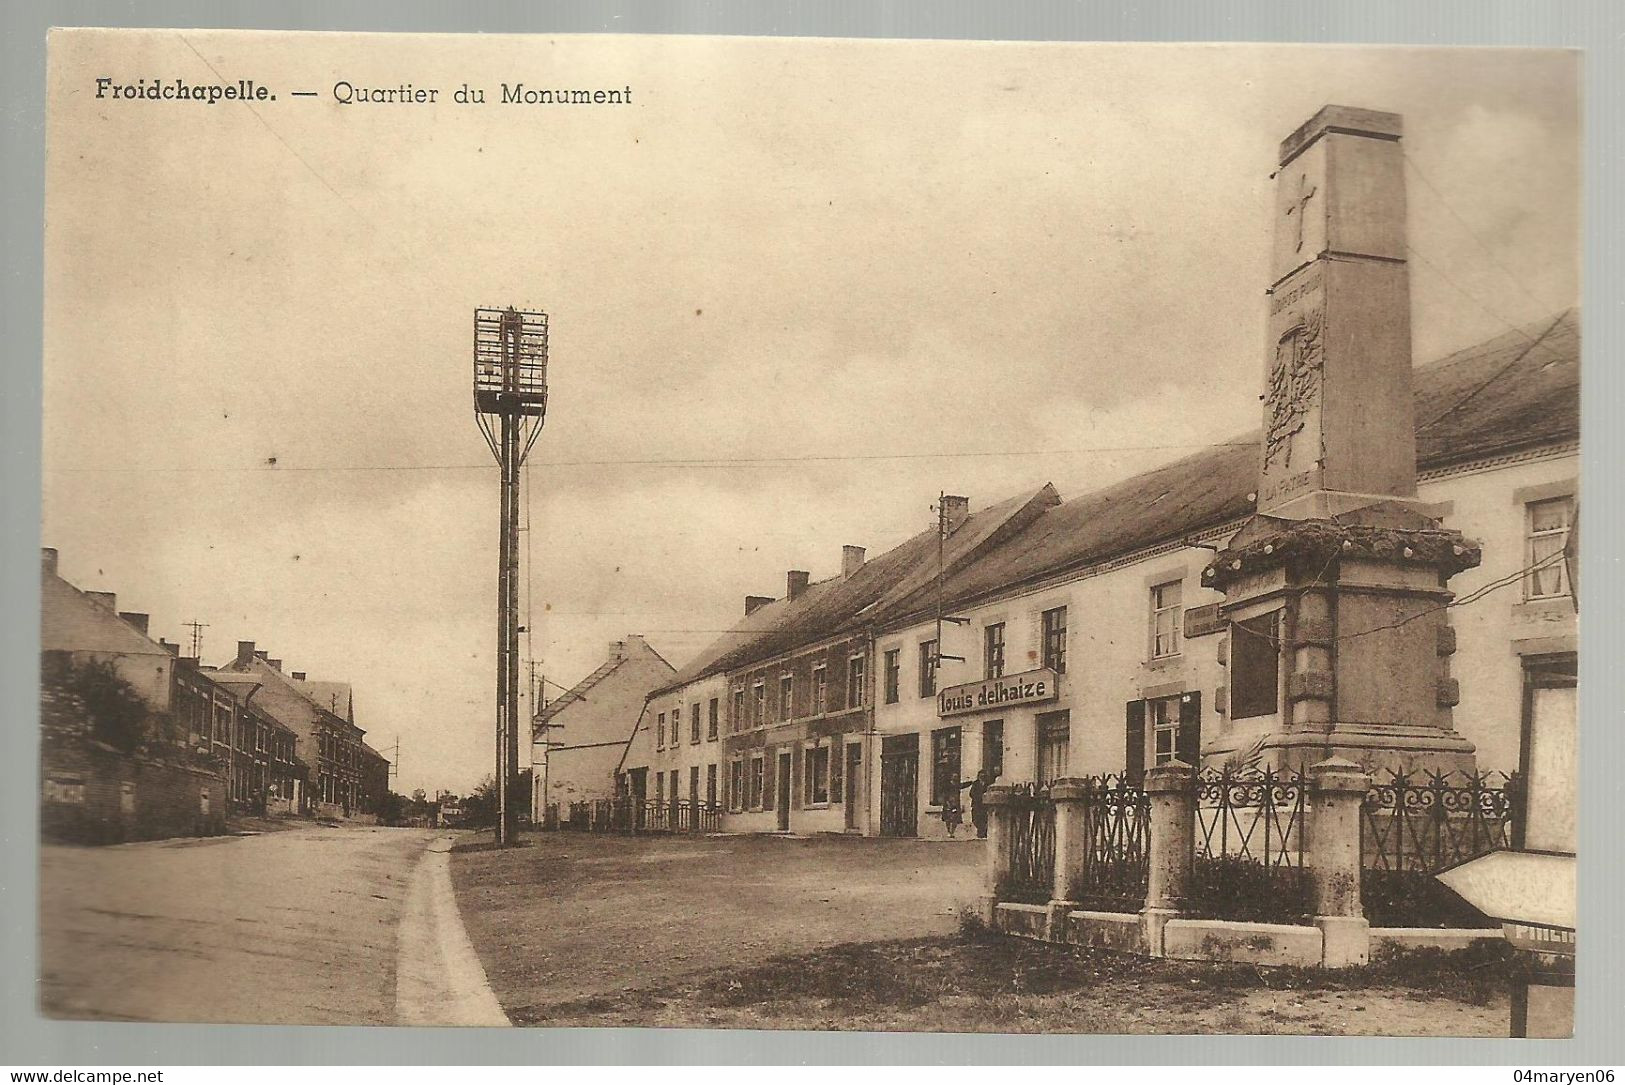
(91, 793)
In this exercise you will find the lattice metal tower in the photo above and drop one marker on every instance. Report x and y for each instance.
(510, 404)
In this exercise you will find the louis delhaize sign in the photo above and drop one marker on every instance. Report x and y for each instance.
(1025, 688)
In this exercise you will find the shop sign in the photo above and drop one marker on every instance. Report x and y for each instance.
(1028, 687)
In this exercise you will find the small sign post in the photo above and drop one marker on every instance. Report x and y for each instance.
(1531, 888)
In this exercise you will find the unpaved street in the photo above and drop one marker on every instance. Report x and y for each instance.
(295, 927)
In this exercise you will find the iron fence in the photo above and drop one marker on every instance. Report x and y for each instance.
(1031, 840)
(1414, 825)
(1116, 838)
(1249, 846)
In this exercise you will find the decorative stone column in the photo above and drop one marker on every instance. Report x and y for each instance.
(997, 801)
(1337, 790)
(1071, 797)
(1170, 787)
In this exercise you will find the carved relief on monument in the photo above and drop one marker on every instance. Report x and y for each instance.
(1294, 385)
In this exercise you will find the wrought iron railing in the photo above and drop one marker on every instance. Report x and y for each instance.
(1414, 825)
(1249, 846)
(1031, 841)
(1116, 840)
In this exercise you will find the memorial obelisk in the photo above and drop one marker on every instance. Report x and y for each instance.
(1335, 590)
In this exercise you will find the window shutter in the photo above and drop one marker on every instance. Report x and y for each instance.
(1134, 753)
(1188, 746)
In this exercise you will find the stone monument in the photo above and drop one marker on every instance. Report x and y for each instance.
(1338, 644)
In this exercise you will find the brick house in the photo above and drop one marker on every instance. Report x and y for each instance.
(342, 771)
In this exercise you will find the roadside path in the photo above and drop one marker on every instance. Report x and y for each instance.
(438, 979)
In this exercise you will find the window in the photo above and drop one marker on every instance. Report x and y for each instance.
(694, 722)
(787, 693)
(1054, 738)
(894, 670)
(759, 707)
(944, 764)
(660, 731)
(694, 784)
(660, 787)
(820, 690)
(1055, 640)
(738, 722)
(993, 748)
(1548, 534)
(815, 775)
(711, 722)
(1255, 666)
(711, 783)
(754, 794)
(1164, 729)
(854, 682)
(736, 784)
(1165, 619)
(993, 651)
(928, 668)
(836, 772)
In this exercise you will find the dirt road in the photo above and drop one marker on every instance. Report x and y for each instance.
(296, 927)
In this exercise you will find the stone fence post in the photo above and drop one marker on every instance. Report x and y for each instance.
(1071, 798)
(1170, 787)
(1337, 790)
(996, 800)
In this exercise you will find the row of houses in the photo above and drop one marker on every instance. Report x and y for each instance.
(141, 741)
(1047, 635)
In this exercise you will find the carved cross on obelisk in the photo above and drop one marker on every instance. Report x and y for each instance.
(1306, 192)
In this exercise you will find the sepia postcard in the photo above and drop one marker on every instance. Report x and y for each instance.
(809, 534)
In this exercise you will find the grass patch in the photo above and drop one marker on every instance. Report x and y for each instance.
(982, 981)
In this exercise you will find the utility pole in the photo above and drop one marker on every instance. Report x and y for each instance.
(510, 405)
(197, 629)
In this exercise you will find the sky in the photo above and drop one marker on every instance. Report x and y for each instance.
(796, 288)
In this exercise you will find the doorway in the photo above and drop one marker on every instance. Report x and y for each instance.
(640, 792)
(854, 776)
(900, 785)
(783, 790)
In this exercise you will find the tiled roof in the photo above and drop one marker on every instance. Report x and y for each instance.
(1516, 391)
(829, 606)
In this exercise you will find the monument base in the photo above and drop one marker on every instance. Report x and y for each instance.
(1355, 605)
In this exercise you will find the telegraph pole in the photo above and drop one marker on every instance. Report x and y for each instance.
(510, 404)
(197, 629)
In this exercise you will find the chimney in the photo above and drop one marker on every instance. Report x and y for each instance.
(298, 676)
(276, 664)
(753, 603)
(172, 649)
(955, 511)
(105, 598)
(260, 654)
(245, 651)
(135, 618)
(795, 582)
(47, 560)
(851, 559)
